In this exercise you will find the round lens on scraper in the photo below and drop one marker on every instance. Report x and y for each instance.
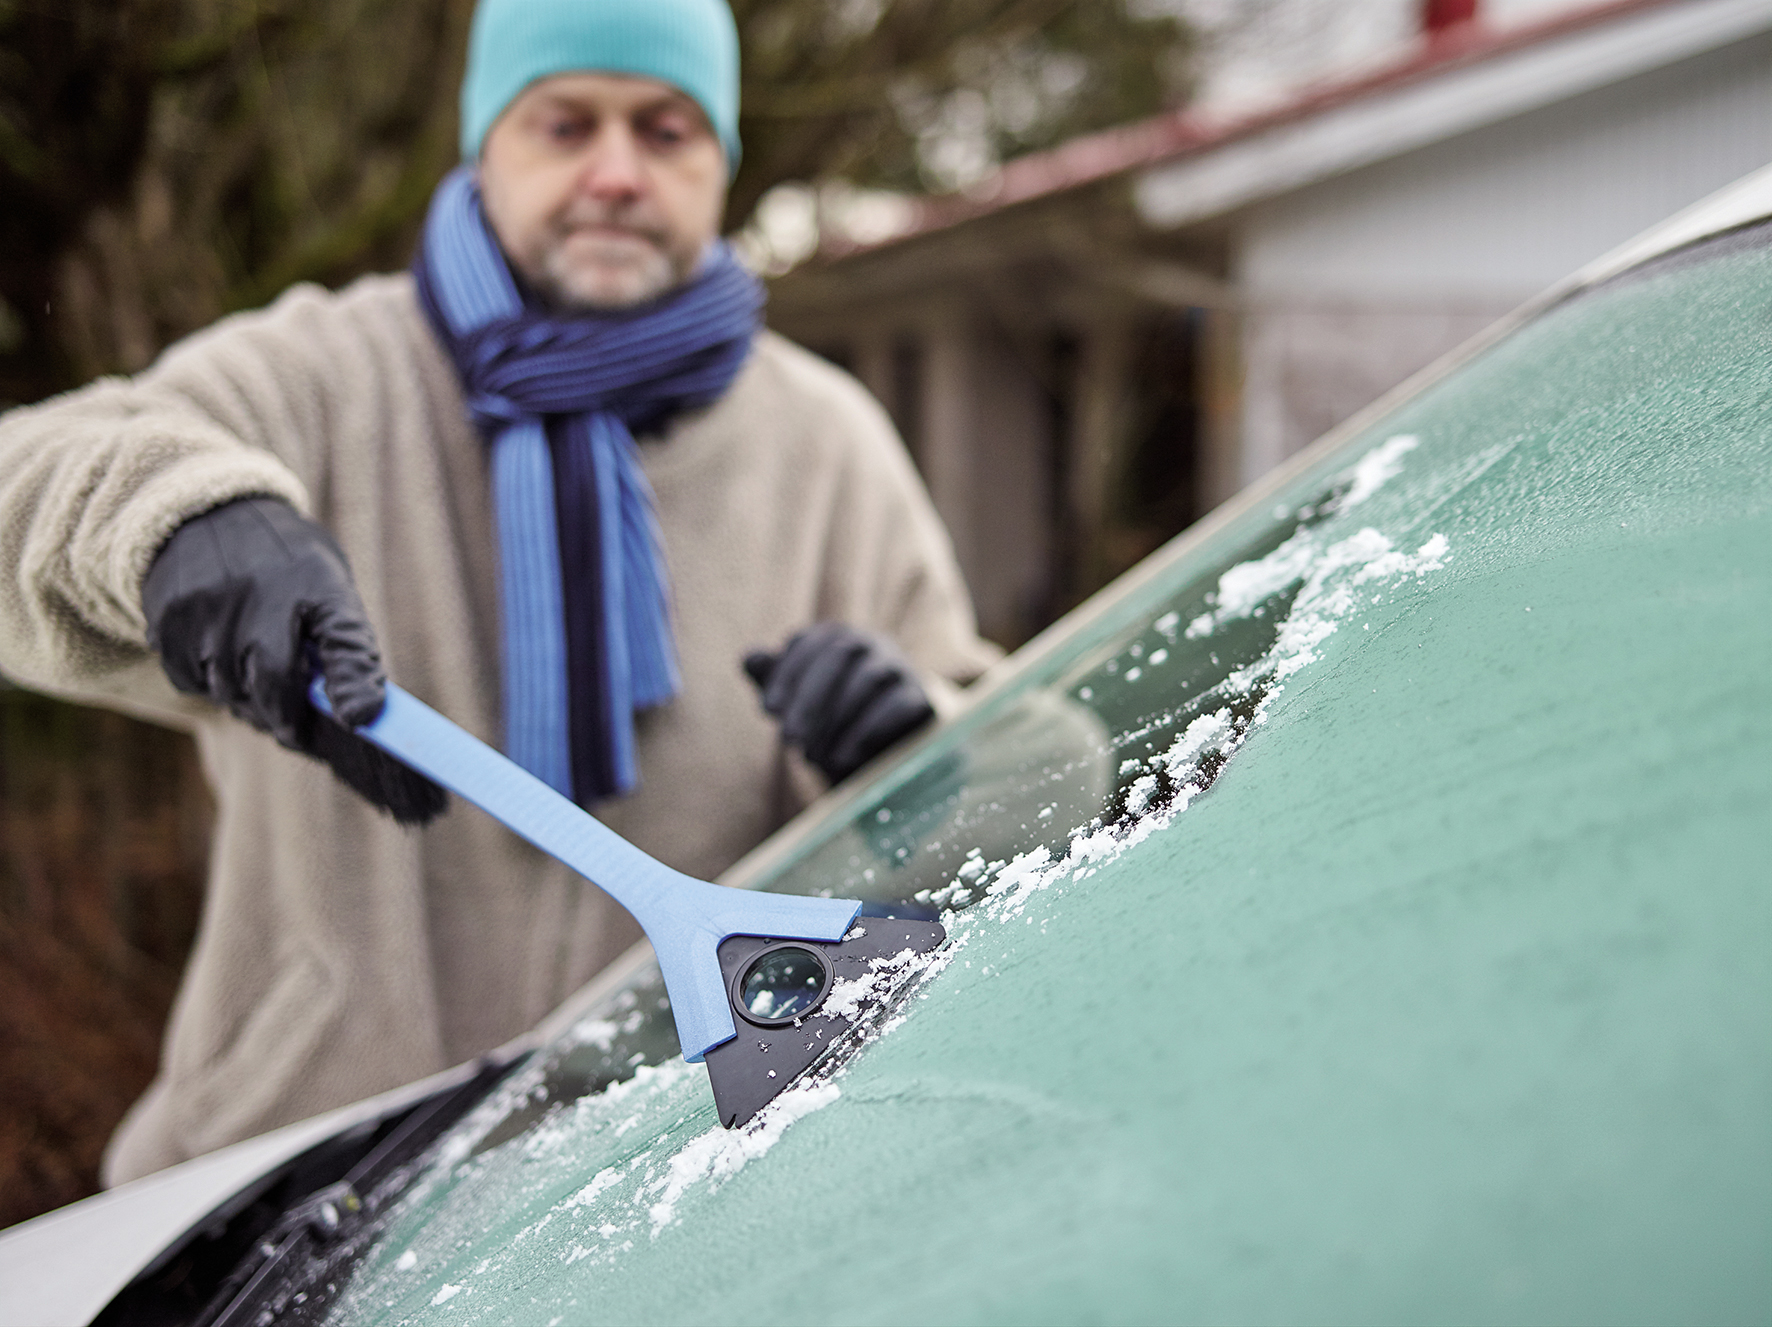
(783, 983)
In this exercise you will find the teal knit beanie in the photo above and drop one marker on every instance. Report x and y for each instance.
(690, 44)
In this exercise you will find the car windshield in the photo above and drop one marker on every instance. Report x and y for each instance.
(1108, 730)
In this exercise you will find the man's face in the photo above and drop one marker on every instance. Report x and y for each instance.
(603, 190)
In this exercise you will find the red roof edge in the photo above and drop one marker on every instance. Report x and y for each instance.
(1089, 158)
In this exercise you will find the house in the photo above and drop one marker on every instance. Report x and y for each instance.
(1101, 342)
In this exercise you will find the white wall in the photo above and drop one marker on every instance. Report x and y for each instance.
(1356, 282)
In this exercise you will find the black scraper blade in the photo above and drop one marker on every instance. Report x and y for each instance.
(859, 974)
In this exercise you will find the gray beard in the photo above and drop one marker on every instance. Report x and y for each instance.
(569, 290)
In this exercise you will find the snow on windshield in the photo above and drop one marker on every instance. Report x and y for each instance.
(654, 1133)
(1328, 579)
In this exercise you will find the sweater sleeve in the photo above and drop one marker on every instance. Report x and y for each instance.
(93, 482)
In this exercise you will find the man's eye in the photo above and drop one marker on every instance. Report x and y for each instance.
(666, 133)
(566, 130)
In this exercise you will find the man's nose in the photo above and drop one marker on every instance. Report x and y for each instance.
(612, 169)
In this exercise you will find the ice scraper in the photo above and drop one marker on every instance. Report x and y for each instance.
(747, 972)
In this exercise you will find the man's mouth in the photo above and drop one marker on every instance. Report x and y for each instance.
(604, 233)
(605, 264)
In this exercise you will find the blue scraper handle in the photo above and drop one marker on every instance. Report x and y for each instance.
(685, 918)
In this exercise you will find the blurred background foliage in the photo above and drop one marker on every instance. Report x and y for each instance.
(103, 829)
(164, 162)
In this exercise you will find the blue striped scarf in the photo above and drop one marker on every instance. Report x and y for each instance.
(585, 604)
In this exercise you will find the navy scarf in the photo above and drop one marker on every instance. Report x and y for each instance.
(583, 595)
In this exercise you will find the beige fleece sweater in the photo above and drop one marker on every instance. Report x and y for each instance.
(339, 954)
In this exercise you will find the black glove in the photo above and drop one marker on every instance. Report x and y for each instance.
(243, 603)
(842, 695)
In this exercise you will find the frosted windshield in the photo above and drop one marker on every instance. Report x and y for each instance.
(587, 1151)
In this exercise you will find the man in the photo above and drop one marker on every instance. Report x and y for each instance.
(437, 474)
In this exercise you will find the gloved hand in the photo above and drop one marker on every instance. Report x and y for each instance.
(842, 695)
(242, 603)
